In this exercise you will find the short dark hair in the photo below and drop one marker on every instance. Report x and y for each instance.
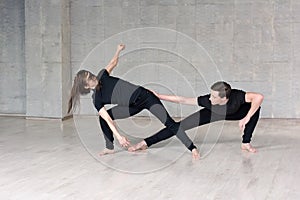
(223, 88)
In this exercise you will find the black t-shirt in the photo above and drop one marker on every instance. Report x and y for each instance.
(113, 91)
(236, 99)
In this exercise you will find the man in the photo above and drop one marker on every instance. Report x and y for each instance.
(223, 103)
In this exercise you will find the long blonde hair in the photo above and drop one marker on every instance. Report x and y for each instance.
(79, 88)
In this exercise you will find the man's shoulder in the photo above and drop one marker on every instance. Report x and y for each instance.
(237, 95)
(237, 91)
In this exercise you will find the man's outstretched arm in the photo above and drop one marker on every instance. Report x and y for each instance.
(177, 99)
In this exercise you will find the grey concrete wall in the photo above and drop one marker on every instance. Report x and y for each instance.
(47, 42)
(253, 44)
(12, 67)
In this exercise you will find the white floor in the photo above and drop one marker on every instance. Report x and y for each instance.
(42, 159)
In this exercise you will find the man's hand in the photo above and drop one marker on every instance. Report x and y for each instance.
(155, 93)
(243, 122)
(195, 154)
(124, 142)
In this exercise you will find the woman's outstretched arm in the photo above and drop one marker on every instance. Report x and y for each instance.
(114, 61)
(124, 142)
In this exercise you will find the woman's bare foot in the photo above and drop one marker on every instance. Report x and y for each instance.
(248, 147)
(106, 151)
(139, 146)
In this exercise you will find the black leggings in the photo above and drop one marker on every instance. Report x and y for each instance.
(205, 116)
(145, 100)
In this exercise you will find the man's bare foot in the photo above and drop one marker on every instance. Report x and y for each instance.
(248, 147)
(139, 146)
(195, 154)
(106, 151)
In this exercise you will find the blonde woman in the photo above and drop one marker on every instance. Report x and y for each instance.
(130, 100)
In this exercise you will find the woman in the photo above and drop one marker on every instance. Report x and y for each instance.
(130, 100)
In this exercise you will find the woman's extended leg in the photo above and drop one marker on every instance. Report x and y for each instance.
(199, 118)
(149, 101)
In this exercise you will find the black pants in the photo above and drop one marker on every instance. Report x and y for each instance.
(145, 100)
(205, 116)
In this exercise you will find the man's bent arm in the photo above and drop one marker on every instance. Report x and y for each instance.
(256, 100)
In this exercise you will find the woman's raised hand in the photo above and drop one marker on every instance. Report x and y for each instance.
(121, 47)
